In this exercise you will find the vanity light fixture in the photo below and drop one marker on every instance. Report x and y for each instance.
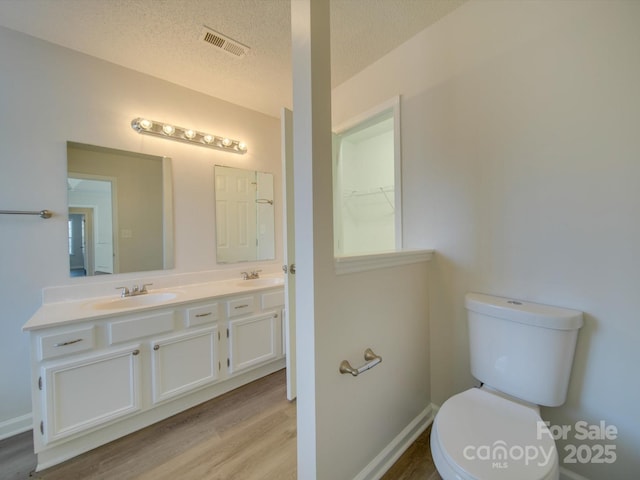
(187, 135)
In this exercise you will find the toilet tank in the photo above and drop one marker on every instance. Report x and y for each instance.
(521, 348)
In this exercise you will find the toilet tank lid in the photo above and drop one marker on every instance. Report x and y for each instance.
(520, 311)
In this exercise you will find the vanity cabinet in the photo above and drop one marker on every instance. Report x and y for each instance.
(89, 391)
(254, 340)
(99, 378)
(181, 363)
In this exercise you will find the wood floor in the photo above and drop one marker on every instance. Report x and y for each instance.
(246, 434)
(415, 463)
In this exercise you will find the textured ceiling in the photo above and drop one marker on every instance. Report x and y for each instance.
(163, 38)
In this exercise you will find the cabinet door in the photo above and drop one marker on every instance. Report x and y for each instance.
(90, 391)
(254, 341)
(183, 363)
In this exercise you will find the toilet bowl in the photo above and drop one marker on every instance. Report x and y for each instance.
(480, 435)
(522, 353)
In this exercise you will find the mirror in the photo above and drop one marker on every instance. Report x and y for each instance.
(245, 225)
(120, 211)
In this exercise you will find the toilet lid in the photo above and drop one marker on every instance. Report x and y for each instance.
(486, 436)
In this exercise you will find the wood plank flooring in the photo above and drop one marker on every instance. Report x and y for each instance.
(415, 463)
(246, 434)
(16, 457)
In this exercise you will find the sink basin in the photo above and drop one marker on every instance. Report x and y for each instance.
(146, 300)
(261, 282)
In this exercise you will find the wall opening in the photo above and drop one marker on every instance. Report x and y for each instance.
(367, 187)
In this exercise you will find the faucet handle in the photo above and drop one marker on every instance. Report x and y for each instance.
(144, 287)
(125, 291)
(256, 273)
(244, 275)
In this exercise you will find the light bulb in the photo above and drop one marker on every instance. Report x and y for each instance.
(242, 146)
(146, 124)
(208, 138)
(190, 134)
(168, 129)
(226, 142)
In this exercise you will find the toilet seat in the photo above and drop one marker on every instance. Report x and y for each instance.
(480, 435)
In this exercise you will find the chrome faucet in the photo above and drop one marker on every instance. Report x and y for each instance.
(135, 290)
(250, 276)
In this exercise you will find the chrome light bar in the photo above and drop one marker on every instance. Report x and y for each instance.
(187, 135)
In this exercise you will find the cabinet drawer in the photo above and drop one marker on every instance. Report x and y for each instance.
(74, 341)
(240, 306)
(272, 299)
(139, 327)
(201, 315)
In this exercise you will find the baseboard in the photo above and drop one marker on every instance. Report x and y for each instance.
(14, 426)
(388, 456)
(569, 475)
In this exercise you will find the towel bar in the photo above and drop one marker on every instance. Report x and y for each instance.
(42, 213)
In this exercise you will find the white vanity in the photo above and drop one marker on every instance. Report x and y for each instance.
(105, 367)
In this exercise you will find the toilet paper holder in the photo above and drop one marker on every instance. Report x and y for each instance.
(371, 358)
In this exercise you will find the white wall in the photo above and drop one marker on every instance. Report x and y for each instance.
(521, 168)
(345, 423)
(49, 95)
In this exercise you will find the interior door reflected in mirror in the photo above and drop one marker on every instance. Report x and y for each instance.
(120, 211)
(245, 224)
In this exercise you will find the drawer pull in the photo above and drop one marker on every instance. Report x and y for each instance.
(70, 342)
(241, 306)
(203, 314)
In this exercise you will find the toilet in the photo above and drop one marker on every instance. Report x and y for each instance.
(522, 353)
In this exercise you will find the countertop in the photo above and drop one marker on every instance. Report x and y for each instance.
(68, 312)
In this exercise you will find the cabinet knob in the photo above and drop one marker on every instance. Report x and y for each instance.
(135, 352)
(156, 347)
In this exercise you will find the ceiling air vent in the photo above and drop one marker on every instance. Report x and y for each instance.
(224, 43)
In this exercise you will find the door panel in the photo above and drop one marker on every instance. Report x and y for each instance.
(236, 214)
(289, 251)
(183, 363)
(90, 391)
(253, 341)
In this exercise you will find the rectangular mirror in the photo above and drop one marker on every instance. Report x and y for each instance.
(245, 225)
(120, 211)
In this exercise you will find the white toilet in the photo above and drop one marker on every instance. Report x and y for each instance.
(522, 353)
